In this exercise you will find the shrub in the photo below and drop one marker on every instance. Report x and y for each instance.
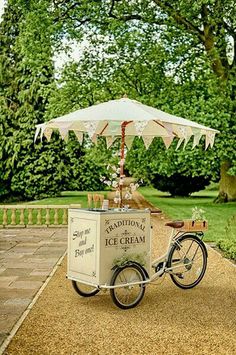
(180, 185)
(228, 244)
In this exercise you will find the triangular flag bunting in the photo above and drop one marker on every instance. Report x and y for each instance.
(186, 139)
(147, 140)
(42, 131)
(139, 126)
(180, 141)
(196, 138)
(168, 127)
(167, 141)
(38, 128)
(90, 127)
(94, 138)
(79, 136)
(129, 141)
(48, 133)
(109, 141)
(210, 137)
(114, 128)
(64, 133)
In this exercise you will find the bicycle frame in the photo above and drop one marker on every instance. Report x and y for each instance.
(162, 259)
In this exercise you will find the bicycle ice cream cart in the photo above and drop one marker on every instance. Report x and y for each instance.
(111, 249)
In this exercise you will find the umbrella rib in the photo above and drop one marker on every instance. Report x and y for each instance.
(103, 130)
(164, 127)
(100, 134)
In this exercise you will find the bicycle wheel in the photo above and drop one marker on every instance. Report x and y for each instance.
(188, 261)
(128, 296)
(84, 290)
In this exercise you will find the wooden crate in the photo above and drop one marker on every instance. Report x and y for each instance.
(194, 226)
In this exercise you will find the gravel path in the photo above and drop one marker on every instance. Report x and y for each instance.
(167, 321)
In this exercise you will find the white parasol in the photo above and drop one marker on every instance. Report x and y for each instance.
(127, 118)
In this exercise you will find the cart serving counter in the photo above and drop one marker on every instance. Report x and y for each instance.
(102, 239)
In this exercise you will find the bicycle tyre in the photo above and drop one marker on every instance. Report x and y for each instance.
(128, 296)
(84, 290)
(186, 244)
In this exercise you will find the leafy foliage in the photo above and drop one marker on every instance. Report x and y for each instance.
(180, 185)
(157, 52)
(27, 170)
(228, 244)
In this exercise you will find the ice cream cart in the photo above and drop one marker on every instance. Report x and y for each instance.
(100, 240)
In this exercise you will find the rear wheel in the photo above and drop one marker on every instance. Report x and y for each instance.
(84, 290)
(187, 261)
(128, 296)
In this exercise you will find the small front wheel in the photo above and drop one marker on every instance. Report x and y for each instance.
(187, 261)
(129, 295)
(84, 290)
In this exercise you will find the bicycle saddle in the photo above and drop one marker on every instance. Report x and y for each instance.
(175, 224)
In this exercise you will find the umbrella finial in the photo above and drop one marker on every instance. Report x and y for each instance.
(125, 96)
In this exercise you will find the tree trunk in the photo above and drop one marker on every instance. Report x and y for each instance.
(227, 184)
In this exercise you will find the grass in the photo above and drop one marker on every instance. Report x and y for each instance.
(180, 208)
(67, 198)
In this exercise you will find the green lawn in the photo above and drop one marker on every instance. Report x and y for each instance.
(67, 198)
(179, 208)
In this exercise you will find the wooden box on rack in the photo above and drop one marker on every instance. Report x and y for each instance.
(194, 226)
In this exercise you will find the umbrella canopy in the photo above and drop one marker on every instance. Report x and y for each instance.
(129, 118)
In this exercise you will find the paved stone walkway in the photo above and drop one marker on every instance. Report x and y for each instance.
(27, 257)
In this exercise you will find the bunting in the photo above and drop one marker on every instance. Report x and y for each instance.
(43, 126)
(186, 140)
(147, 140)
(48, 133)
(139, 126)
(95, 138)
(64, 133)
(180, 141)
(210, 137)
(129, 141)
(167, 141)
(90, 127)
(79, 136)
(38, 128)
(168, 127)
(197, 134)
(114, 128)
(110, 140)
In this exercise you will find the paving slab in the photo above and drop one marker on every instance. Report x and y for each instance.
(27, 258)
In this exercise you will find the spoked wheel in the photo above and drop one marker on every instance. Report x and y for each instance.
(128, 296)
(187, 261)
(84, 290)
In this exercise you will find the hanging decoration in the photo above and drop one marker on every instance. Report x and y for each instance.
(139, 126)
(147, 140)
(167, 141)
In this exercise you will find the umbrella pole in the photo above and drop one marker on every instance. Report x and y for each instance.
(122, 160)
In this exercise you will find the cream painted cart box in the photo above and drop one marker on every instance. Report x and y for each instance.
(97, 240)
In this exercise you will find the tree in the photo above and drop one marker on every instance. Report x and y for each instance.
(27, 170)
(208, 29)
(141, 73)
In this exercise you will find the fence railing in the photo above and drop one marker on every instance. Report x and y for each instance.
(23, 216)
